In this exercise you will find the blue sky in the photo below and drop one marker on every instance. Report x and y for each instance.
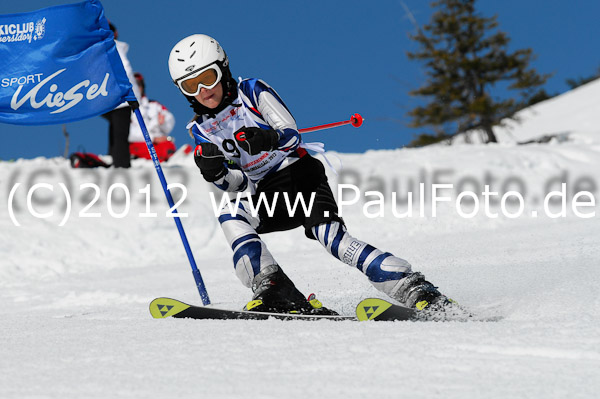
(327, 59)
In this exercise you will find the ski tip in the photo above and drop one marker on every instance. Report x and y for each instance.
(161, 308)
(371, 308)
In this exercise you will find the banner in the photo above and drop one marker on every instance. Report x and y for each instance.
(59, 64)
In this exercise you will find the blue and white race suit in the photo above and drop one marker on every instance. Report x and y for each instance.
(258, 105)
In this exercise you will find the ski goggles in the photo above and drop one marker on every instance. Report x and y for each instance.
(207, 77)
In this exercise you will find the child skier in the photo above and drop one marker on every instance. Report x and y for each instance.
(247, 138)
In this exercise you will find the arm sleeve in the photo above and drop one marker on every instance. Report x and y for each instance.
(234, 180)
(280, 119)
(122, 49)
(169, 123)
(273, 112)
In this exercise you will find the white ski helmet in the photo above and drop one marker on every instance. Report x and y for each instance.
(197, 61)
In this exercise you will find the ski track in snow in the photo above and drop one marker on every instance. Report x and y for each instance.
(76, 321)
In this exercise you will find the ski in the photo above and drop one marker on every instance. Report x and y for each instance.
(162, 308)
(370, 309)
(376, 309)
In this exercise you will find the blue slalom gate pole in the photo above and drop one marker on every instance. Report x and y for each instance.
(163, 182)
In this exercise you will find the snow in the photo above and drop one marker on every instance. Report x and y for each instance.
(76, 320)
(573, 113)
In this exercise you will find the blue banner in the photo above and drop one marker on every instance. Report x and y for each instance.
(59, 64)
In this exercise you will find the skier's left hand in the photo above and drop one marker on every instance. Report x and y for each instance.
(255, 140)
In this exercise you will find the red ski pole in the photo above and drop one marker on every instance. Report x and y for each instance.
(356, 120)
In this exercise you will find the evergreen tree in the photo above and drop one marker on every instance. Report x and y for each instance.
(575, 83)
(465, 58)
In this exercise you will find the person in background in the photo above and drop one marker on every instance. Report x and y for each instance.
(159, 122)
(119, 118)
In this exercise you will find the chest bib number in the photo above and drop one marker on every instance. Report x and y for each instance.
(220, 131)
(231, 148)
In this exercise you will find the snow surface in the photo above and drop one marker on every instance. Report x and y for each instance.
(76, 322)
(573, 112)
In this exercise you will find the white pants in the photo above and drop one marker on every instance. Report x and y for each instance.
(250, 254)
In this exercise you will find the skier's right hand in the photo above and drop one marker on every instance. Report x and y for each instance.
(211, 161)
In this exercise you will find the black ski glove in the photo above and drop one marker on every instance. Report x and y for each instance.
(255, 140)
(210, 161)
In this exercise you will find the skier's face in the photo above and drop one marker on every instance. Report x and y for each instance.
(210, 98)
